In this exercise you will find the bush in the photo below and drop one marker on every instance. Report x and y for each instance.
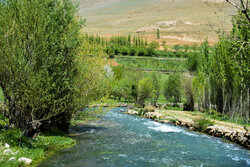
(150, 52)
(178, 54)
(124, 51)
(170, 54)
(132, 51)
(202, 123)
(141, 52)
(14, 137)
(149, 109)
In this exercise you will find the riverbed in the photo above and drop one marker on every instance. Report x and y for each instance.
(121, 140)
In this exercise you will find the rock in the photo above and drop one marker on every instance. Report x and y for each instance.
(7, 145)
(218, 134)
(25, 160)
(188, 124)
(12, 159)
(132, 112)
(176, 123)
(191, 128)
(7, 152)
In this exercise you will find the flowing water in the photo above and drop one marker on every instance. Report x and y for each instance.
(120, 140)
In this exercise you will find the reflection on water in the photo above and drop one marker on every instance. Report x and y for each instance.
(123, 140)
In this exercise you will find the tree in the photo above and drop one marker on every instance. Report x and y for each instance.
(187, 85)
(172, 88)
(43, 80)
(156, 88)
(158, 33)
(145, 89)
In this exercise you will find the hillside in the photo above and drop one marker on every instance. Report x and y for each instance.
(180, 21)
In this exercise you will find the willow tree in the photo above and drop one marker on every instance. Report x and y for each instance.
(40, 46)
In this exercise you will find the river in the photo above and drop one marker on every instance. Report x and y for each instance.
(120, 140)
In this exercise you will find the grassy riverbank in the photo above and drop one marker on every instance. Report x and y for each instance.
(190, 116)
(13, 147)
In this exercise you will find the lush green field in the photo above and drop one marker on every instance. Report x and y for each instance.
(152, 63)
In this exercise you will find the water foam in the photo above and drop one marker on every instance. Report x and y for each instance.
(163, 128)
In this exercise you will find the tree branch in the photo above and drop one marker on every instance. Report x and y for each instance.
(243, 9)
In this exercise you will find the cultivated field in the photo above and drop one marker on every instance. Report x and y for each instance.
(180, 21)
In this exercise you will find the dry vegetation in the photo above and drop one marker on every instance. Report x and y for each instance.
(181, 21)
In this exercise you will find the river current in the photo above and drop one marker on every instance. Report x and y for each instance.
(121, 140)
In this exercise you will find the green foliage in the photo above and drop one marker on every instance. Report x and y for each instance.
(188, 89)
(41, 72)
(158, 33)
(156, 88)
(145, 89)
(132, 51)
(1, 95)
(193, 62)
(173, 88)
(141, 52)
(202, 123)
(176, 48)
(152, 64)
(14, 137)
(154, 45)
(35, 150)
(223, 75)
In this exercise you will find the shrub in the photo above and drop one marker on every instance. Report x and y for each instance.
(202, 123)
(141, 52)
(150, 52)
(149, 109)
(132, 51)
(124, 51)
(14, 137)
(178, 54)
(170, 54)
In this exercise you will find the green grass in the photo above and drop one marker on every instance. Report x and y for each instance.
(236, 120)
(27, 147)
(152, 64)
(37, 151)
(1, 95)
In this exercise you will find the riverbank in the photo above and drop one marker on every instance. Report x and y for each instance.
(232, 132)
(30, 152)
